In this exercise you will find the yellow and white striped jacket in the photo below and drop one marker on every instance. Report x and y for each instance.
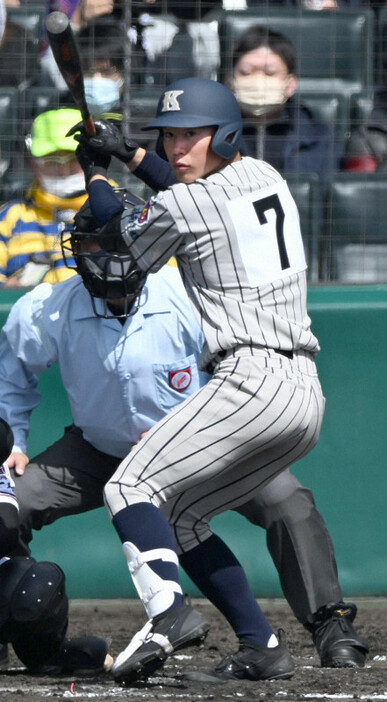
(30, 237)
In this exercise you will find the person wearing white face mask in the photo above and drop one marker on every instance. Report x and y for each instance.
(102, 92)
(276, 127)
(102, 45)
(30, 227)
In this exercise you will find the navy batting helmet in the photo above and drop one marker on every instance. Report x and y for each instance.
(198, 102)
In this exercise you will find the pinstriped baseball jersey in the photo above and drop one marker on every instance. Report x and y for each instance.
(237, 239)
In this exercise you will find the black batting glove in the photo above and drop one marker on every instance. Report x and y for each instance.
(109, 140)
(92, 162)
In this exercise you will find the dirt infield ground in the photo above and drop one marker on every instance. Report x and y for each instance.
(119, 619)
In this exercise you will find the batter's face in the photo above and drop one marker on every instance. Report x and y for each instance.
(189, 154)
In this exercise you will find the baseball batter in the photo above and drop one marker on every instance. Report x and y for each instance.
(234, 229)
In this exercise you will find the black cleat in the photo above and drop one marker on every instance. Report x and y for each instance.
(250, 662)
(150, 647)
(85, 655)
(336, 639)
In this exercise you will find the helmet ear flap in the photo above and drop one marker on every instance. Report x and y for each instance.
(226, 141)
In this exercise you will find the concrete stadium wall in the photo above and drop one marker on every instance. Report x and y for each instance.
(346, 470)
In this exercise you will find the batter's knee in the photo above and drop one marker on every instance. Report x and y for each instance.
(117, 496)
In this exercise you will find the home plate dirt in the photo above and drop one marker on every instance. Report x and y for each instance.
(120, 619)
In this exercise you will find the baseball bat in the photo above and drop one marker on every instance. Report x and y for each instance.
(64, 48)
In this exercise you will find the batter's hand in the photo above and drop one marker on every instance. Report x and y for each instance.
(92, 162)
(108, 141)
(18, 462)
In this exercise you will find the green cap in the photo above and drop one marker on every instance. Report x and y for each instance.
(49, 131)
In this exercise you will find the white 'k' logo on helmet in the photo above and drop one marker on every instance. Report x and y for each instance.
(170, 100)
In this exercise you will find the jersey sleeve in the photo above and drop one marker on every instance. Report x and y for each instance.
(150, 233)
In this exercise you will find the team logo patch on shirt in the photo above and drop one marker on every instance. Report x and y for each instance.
(144, 214)
(180, 380)
(136, 217)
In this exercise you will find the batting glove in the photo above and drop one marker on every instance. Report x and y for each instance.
(108, 141)
(92, 162)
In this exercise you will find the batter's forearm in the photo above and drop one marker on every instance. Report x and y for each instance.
(104, 202)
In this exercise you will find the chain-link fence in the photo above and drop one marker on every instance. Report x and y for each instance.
(319, 114)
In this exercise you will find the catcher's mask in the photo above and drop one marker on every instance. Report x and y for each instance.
(112, 277)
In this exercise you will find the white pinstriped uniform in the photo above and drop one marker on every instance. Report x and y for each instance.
(237, 240)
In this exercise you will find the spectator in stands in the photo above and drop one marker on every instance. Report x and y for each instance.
(18, 55)
(277, 128)
(80, 13)
(30, 227)
(366, 149)
(101, 46)
(180, 39)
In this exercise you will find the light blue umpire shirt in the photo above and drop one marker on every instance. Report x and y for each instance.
(120, 379)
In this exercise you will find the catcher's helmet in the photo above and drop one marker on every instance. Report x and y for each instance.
(198, 102)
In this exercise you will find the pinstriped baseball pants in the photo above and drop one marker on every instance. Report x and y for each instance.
(257, 415)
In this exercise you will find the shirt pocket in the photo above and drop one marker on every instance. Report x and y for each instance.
(175, 381)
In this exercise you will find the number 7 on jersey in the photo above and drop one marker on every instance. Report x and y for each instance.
(267, 228)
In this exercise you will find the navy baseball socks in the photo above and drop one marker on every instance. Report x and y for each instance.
(173, 624)
(221, 578)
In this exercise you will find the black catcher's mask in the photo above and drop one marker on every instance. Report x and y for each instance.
(113, 277)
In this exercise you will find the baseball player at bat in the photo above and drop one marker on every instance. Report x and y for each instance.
(153, 375)
(234, 228)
